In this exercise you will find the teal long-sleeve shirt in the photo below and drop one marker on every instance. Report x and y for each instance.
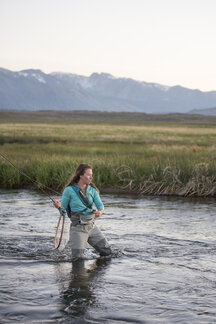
(71, 199)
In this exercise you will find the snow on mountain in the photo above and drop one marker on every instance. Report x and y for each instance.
(37, 76)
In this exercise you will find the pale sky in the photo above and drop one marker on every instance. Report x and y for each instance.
(171, 42)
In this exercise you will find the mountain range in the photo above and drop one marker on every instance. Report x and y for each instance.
(35, 90)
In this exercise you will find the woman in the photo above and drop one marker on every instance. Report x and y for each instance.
(78, 198)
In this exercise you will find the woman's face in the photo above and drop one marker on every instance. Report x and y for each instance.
(87, 176)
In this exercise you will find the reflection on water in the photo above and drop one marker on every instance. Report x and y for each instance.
(76, 285)
(163, 268)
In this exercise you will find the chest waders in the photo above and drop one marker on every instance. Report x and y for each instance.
(83, 230)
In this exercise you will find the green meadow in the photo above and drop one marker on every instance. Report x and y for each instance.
(144, 157)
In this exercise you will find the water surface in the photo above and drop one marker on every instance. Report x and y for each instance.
(163, 268)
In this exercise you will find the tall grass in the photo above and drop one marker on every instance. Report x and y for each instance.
(161, 159)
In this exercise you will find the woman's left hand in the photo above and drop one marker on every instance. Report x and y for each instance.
(98, 213)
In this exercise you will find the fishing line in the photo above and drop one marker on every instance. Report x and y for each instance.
(33, 181)
(61, 211)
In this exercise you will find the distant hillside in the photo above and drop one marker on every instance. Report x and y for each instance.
(35, 90)
(207, 111)
(94, 116)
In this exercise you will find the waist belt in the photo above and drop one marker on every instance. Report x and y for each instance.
(78, 218)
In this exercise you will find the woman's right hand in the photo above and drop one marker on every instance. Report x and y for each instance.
(56, 203)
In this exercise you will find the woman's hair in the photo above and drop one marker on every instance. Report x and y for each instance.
(80, 170)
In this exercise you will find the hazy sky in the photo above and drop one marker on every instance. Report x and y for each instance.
(171, 42)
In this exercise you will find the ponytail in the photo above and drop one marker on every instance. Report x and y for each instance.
(94, 186)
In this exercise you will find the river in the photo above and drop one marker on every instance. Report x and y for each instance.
(163, 268)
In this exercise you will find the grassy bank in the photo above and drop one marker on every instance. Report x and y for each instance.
(163, 158)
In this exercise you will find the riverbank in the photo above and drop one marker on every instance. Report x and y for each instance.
(199, 181)
(143, 157)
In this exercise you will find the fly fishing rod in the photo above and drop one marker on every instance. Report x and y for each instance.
(57, 241)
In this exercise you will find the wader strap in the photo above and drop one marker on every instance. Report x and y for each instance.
(81, 196)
